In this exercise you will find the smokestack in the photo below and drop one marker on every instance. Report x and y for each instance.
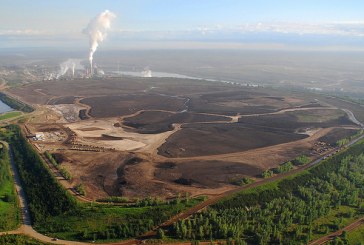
(70, 64)
(97, 30)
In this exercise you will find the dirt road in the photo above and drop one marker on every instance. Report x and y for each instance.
(27, 229)
(26, 224)
(353, 118)
(215, 199)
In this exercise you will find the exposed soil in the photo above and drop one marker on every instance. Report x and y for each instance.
(62, 100)
(206, 133)
(293, 121)
(337, 134)
(119, 105)
(242, 102)
(98, 171)
(209, 174)
(160, 121)
(213, 139)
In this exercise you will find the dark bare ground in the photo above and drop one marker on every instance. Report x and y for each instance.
(243, 102)
(48, 128)
(210, 106)
(82, 114)
(211, 139)
(209, 174)
(337, 134)
(311, 105)
(62, 100)
(158, 121)
(289, 122)
(111, 86)
(105, 137)
(119, 105)
(115, 173)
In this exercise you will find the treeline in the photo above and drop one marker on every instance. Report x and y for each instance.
(55, 212)
(15, 104)
(148, 201)
(344, 141)
(287, 212)
(5, 175)
(286, 166)
(55, 163)
(45, 196)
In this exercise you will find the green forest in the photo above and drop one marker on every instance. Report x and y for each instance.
(291, 211)
(55, 212)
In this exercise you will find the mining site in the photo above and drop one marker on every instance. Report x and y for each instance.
(140, 137)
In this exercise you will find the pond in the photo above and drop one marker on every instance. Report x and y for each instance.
(4, 107)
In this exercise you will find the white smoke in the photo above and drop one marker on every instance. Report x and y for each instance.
(97, 30)
(67, 65)
(147, 72)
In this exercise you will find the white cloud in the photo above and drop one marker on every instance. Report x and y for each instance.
(220, 32)
(350, 28)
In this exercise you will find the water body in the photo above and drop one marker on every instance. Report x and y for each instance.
(175, 75)
(154, 74)
(4, 107)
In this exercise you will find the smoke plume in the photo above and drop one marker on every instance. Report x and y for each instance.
(97, 30)
(69, 64)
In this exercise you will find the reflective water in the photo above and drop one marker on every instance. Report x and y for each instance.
(4, 107)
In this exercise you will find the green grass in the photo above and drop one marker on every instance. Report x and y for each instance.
(9, 211)
(274, 185)
(334, 216)
(356, 237)
(317, 116)
(10, 114)
(19, 240)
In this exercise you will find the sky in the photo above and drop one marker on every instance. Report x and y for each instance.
(150, 24)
